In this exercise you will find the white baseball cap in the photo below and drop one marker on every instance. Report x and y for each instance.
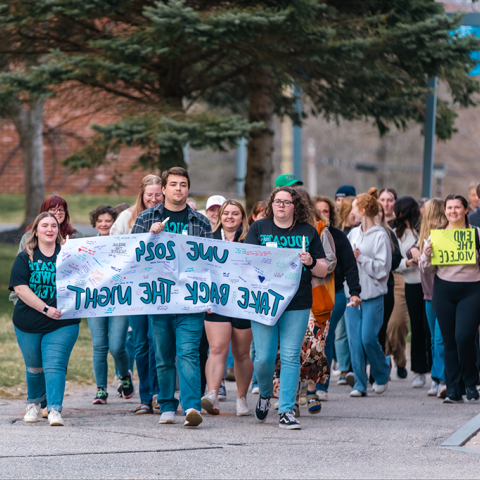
(215, 200)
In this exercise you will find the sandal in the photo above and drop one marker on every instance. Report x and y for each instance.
(313, 404)
(143, 409)
(296, 410)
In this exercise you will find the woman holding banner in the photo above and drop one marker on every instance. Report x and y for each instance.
(46, 341)
(456, 302)
(288, 223)
(150, 195)
(232, 226)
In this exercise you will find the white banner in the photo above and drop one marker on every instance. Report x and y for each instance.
(168, 273)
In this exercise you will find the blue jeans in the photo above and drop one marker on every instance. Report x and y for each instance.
(342, 350)
(178, 336)
(337, 314)
(46, 358)
(363, 324)
(252, 356)
(108, 333)
(145, 357)
(290, 330)
(438, 355)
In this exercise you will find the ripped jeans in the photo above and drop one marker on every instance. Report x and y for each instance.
(46, 358)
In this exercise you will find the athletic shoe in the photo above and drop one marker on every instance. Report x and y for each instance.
(357, 393)
(296, 410)
(322, 395)
(433, 389)
(242, 407)
(100, 397)
(167, 418)
(288, 421)
(379, 389)
(350, 379)
(34, 413)
(230, 375)
(341, 380)
(222, 392)
(261, 410)
(210, 403)
(472, 394)
(55, 419)
(276, 405)
(374, 384)
(302, 396)
(256, 391)
(126, 389)
(402, 372)
(453, 400)
(419, 380)
(193, 418)
(442, 391)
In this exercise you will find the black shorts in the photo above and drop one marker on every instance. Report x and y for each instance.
(238, 323)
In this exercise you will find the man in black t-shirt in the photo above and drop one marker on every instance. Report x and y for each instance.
(177, 337)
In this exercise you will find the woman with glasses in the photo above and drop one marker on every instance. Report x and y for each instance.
(288, 218)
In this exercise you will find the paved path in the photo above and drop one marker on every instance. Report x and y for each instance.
(395, 435)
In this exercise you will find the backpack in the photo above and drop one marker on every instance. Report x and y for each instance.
(323, 289)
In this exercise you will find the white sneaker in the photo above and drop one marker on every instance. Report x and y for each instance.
(34, 412)
(193, 418)
(357, 393)
(275, 405)
(350, 379)
(210, 403)
(242, 407)
(373, 386)
(167, 418)
(419, 380)
(55, 418)
(442, 391)
(379, 389)
(256, 391)
(433, 389)
(322, 396)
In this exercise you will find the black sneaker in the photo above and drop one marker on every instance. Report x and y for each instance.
(453, 399)
(100, 397)
(261, 410)
(472, 394)
(402, 372)
(125, 389)
(288, 421)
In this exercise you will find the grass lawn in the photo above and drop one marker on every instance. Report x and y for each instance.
(12, 368)
(79, 206)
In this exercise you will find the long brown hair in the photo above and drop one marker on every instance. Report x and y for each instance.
(433, 218)
(32, 241)
(139, 206)
(454, 196)
(244, 224)
(302, 210)
(257, 209)
(333, 220)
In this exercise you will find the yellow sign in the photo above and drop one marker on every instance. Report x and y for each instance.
(453, 246)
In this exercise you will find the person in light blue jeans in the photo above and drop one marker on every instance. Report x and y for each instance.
(342, 350)
(110, 334)
(46, 358)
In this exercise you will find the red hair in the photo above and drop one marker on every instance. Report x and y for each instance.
(54, 201)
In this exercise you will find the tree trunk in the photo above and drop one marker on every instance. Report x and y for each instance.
(29, 125)
(258, 181)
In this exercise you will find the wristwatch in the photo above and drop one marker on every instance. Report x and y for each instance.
(45, 309)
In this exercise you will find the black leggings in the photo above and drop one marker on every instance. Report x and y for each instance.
(457, 307)
(203, 351)
(388, 304)
(421, 350)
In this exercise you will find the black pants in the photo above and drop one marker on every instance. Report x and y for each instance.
(421, 345)
(388, 304)
(457, 307)
(203, 350)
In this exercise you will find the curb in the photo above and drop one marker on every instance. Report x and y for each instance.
(462, 436)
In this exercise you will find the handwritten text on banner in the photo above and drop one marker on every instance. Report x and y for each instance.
(453, 246)
(168, 273)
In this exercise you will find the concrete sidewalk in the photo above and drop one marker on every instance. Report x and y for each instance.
(394, 435)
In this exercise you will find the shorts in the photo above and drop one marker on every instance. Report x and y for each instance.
(238, 323)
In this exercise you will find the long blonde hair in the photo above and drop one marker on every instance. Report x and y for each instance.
(433, 218)
(139, 206)
(344, 212)
(32, 241)
(244, 224)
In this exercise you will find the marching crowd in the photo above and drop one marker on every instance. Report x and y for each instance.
(367, 274)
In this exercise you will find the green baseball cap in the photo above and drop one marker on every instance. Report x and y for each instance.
(287, 180)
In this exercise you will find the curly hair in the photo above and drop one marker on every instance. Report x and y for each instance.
(406, 209)
(302, 211)
(102, 209)
(333, 220)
